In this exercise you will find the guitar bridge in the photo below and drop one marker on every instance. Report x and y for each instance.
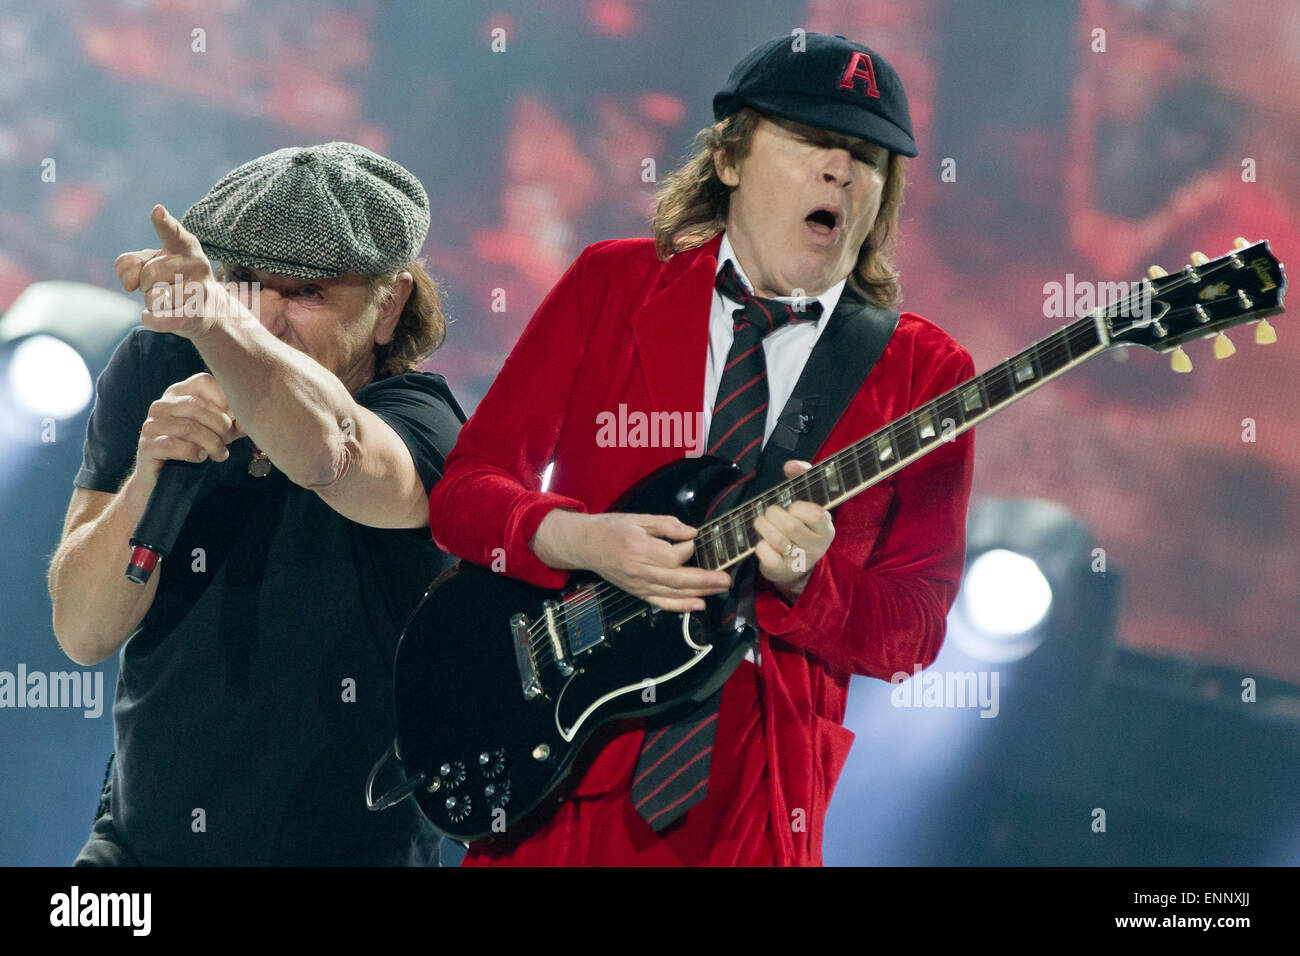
(528, 677)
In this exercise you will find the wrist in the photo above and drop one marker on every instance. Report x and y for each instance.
(558, 540)
(790, 592)
(221, 313)
(139, 485)
(224, 311)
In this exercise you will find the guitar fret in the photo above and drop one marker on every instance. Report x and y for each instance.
(906, 438)
(818, 492)
(853, 466)
(1024, 370)
(830, 471)
(1062, 340)
(883, 443)
(1007, 379)
(738, 535)
(719, 549)
(1000, 385)
(925, 425)
(949, 408)
(1083, 337)
(868, 466)
(938, 418)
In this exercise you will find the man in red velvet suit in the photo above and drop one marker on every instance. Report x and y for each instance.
(787, 212)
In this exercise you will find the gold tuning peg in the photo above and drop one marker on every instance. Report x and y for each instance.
(1156, 272)
(1179, 361)
(1199, 258)
(1265, 333)
(1240, 243)
(1223, 347)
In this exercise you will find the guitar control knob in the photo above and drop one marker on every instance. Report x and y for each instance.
(453, 774)
(458, 807)
(492, 762)
(498, 794)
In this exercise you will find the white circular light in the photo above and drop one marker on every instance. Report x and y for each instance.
(1005, 594)
(48, 378)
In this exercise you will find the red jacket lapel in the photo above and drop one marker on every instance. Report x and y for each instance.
(671, 329)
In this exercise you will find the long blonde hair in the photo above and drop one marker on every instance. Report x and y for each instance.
(693, 204)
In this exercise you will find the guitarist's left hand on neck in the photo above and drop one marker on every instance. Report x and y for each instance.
(794, 539)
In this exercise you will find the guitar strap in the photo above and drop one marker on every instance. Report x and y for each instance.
(855, 338)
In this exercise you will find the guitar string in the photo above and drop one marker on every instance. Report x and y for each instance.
(622, 601)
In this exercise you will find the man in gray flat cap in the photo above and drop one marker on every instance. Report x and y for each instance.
(255, 682)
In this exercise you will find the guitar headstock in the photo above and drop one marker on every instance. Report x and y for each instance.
(1166, 311)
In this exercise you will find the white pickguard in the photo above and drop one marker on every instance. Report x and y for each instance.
(701, 652)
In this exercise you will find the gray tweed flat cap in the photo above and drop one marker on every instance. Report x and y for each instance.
(314, 212)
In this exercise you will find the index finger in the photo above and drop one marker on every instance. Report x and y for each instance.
(175, 238)
(666, 526)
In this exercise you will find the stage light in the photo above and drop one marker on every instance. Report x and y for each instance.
(54, 340)
(1006, 594)
(1028, 562)
(47, 377)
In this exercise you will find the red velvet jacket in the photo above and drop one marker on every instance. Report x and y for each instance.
(621, 327)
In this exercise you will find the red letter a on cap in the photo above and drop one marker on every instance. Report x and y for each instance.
(860, 66)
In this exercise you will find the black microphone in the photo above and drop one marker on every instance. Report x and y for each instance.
(169, 504)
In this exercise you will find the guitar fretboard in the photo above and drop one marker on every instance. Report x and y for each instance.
(731, 537)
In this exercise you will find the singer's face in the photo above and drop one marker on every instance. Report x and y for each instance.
(329, 319)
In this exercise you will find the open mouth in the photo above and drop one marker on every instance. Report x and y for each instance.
(822, 217)
(824, 220)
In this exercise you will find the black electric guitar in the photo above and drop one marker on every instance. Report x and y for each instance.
(499, 684)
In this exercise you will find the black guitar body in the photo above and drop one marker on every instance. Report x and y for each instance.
(490, 749)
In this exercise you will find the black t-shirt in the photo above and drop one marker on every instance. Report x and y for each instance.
(257, 691)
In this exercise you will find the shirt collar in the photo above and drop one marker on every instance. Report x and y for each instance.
(829, 299)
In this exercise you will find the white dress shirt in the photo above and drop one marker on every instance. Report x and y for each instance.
(786, 351)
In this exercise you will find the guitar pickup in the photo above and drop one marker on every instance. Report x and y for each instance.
(584, 625)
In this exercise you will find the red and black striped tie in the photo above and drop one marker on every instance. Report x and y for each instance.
(672, 773)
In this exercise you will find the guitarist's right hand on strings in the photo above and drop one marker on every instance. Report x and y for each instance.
(642, 554)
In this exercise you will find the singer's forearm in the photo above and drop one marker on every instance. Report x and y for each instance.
(294, 409)
(95, 607)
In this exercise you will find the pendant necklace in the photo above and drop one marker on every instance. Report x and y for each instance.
(260, 465)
